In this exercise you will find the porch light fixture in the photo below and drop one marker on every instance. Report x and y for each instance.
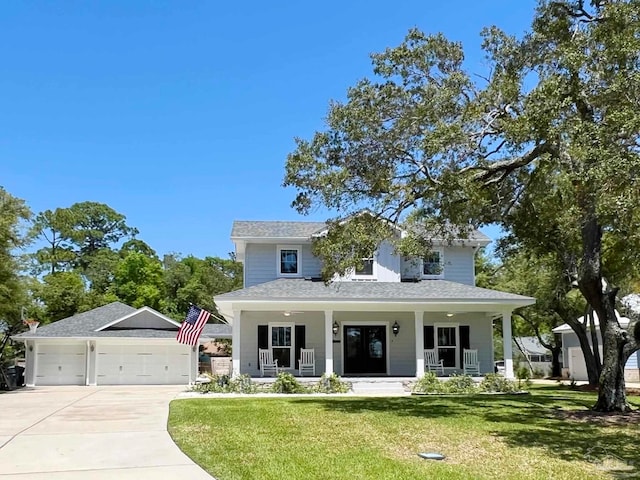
(335, 328)
(395, 328)
(450, 314)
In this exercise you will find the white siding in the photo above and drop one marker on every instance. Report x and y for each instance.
(480, 334)
(314, 337)
(458, 265)
(261, 263)
(386, 267)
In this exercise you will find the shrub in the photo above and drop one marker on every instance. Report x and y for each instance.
(493, 382)
(460, 384)
(242, 384)
(523, 374)
(429, 383)
(331, 384)
(287, 383)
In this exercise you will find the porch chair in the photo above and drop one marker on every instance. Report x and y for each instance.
(307, 362)
(471, 364)
(268, 366)
(431, 361)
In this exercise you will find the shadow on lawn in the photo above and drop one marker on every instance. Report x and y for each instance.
(533, 421)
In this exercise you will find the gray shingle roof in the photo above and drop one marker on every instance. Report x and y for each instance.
(264, 229)
(268, 229)
(84, 325)
(285, 289)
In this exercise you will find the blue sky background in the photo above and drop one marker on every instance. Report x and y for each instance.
(180, 114)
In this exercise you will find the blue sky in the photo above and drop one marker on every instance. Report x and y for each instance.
(180, 114)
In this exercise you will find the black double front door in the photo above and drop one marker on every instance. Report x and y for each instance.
(365, 349)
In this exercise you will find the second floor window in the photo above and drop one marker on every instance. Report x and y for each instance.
(432, 264)
(288, 261)
(367, 267)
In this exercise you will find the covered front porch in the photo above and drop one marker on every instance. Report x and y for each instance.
(368, 329)
(354, 343)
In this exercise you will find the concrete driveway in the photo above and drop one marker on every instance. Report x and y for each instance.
(100, 433)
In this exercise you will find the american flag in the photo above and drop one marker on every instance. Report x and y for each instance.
(192, 326)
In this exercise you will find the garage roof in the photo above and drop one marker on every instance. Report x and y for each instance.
(102, 322)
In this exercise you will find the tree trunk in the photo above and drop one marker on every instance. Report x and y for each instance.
(611, 393)
(556, 370)
(593, 372)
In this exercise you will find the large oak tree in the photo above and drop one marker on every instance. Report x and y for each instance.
(544, 143)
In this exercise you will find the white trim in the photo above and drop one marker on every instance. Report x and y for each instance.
(419, 333)
(298, 249)
(440, 252)
(358, 323)
(133, 314)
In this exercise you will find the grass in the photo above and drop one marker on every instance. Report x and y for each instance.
(537, 436)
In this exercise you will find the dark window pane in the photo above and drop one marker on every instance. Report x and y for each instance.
(289, 261)
(367, 267)
(431, 264)
(283, 355)
(448, 355)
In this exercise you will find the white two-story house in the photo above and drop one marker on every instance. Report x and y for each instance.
(376, 321)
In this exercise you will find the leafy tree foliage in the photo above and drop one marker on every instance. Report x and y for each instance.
(13, 212)
(546, 145)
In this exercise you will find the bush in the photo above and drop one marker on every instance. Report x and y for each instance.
(429, 383)
(226, 384)
(523, 374)
(242, 384)
(331, 384)
(287, 383)
(494, 382)
(460, 384)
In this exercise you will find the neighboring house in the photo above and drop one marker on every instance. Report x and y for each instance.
(112, 345)
(573, 359)
(537, 356)
(375, 321)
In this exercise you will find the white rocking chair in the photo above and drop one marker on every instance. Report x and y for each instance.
(307, 362)
(471, 364)
(431, 361)
(268, 366)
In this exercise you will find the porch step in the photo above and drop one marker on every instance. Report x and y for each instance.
(378, 387)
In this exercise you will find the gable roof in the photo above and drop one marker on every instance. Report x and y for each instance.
(267, 229)
(531, 345)
(95, 324)
(287, 289)
(566, 328)
(247, 229)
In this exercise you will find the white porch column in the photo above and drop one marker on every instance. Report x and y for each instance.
(419, 319)
(328, 341)
(506, 345)
(235, 343)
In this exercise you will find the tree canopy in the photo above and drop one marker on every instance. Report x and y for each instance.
(544, 143)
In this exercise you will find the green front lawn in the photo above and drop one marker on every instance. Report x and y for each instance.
(483, 437)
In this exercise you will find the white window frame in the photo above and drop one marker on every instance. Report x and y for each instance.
(440, 252)
(298, 250)
(292, 347)
(457, 339)
(374, 269)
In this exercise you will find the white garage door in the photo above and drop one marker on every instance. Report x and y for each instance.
(577, 365)
(143, 365)
(61, 364)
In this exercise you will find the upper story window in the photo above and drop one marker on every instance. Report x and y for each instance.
(367, 267)
(432, 265)
(289, 261)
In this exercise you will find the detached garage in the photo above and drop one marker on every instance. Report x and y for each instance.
(113, 345)
(573, 358)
